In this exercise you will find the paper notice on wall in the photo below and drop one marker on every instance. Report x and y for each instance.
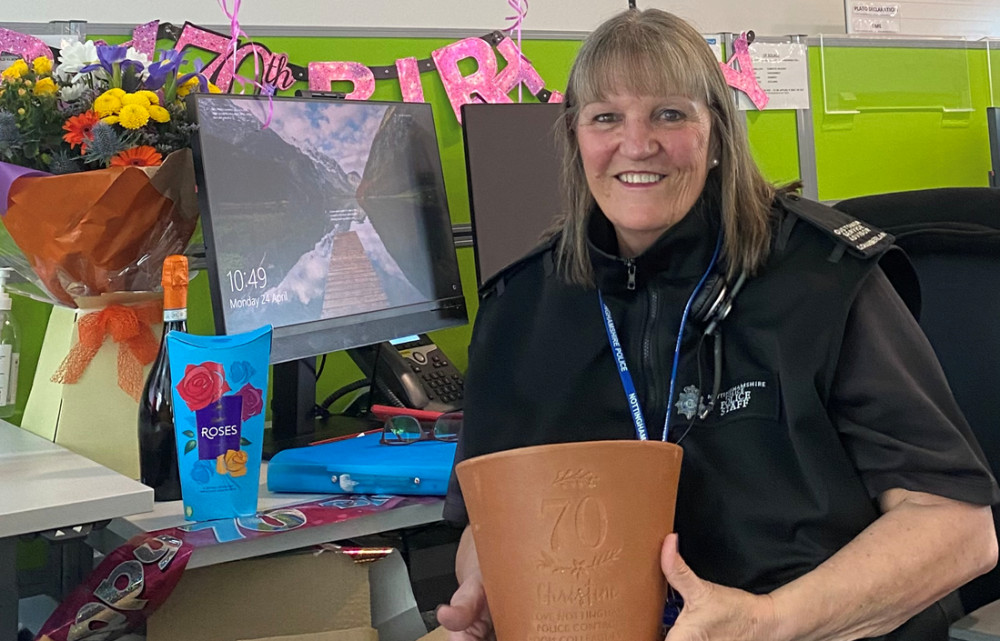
(782, 70)
(714, 41)
(872, 17)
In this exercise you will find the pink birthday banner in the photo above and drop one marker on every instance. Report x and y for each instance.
(137, 577)
(490, 82)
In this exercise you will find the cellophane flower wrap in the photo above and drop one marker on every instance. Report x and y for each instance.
(96, 179)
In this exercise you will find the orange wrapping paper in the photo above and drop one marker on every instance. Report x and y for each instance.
(106, 230)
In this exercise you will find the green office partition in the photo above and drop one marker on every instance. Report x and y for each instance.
(774, 144)
(898, 118)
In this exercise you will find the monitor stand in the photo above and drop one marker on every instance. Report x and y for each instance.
(294, 422)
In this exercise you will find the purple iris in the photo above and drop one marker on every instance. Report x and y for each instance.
(111, 55)
(202, 80)
(168, 63)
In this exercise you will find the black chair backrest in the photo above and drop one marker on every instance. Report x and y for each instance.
(952, 236)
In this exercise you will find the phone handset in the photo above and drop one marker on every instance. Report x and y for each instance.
(412, 372)
(392, 367)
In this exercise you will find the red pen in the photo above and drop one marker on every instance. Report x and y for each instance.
(382, 412)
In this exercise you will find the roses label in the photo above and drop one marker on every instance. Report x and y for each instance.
(219, 417)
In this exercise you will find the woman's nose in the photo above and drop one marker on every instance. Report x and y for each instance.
(638, 140)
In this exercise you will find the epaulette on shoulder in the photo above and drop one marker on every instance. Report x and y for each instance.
(495, 284)
(855, 236)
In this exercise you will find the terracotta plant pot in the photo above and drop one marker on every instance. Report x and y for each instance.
(569, 537)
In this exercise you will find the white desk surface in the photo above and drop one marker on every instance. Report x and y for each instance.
(169, 514)
(44, 486)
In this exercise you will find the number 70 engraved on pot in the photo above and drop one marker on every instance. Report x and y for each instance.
(585, 518)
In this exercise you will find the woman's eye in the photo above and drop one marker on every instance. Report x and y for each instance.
(670, 115)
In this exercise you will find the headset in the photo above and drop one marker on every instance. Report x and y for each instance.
(713, 303)
(710, 307)
(709, 304)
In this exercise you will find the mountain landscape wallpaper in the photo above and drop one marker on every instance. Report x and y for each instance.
(340, 203)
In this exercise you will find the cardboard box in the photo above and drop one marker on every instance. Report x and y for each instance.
(300, 596)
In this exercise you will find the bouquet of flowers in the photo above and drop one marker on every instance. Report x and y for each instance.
(96, 175)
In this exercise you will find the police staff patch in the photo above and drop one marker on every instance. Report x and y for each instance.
(753, 397)
(738, 397)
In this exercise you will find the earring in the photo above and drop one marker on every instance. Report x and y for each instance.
(715, 162)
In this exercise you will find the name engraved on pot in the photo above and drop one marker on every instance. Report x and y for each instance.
(580, 598)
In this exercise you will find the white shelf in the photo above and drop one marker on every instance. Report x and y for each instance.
(169, 515)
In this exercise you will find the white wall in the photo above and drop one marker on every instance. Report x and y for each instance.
(972, 18)
(766, 17)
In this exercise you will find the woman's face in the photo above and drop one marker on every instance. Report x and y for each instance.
(646, 159)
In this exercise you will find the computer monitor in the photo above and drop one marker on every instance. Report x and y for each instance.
(328, 220)
(513, 170)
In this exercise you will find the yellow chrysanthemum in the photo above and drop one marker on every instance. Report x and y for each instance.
(149, 95)
(22, 91)
(28, 83)
(187, 87)
(16, 70)
(158, 113)
(110, 120)
(107, 104)
(133, 116)
(135, 99)
(42, 65)
(45, 86)
(117, 92)
(20, 111)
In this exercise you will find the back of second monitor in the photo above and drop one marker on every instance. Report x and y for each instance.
(513, 168)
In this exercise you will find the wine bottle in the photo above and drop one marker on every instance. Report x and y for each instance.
(157, 446)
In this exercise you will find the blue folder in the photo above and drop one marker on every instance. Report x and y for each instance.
(362, 465)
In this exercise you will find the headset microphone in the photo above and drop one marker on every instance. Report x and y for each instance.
(711, 309)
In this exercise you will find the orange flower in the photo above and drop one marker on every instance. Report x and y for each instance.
(79, 128)
(144, 156)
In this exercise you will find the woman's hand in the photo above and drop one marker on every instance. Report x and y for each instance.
(712, 611)
(468, 616)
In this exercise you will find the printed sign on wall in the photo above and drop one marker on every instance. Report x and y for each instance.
(872, 17)
(782, 72)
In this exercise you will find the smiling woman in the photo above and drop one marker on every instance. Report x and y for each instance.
(815, 446)
(654, 82)
(646, 161)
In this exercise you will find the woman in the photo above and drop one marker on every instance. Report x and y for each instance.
(831, 488)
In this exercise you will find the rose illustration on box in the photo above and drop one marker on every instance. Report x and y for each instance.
(219, 414)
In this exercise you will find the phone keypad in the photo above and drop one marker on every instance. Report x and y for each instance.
(441, 380)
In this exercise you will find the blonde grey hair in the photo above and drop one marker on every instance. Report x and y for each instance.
(654, 53)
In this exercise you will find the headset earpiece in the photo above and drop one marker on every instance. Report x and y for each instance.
(715, 301)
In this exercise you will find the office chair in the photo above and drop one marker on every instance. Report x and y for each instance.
(952, 235)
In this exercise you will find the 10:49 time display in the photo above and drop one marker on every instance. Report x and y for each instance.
(240, 279)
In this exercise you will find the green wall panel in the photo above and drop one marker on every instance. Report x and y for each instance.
(774, 144)
(901, 140)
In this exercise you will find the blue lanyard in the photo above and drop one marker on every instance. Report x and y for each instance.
(626, 376)
(630, 393)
